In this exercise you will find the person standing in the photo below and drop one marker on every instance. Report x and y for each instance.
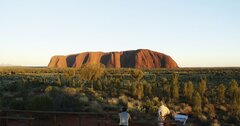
(124, 117)
(163, 111)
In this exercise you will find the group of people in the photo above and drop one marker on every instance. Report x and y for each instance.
(163, 112)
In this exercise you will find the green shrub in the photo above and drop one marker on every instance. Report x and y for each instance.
(83, 99)
(70, 91)
(41, 102)
(94, 106)
(18, 104)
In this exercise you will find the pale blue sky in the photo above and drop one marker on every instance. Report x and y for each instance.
(196, 33)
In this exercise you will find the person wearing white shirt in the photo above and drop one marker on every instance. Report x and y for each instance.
(124, 117)
(163, 111)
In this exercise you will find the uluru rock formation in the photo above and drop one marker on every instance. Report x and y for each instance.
(141, 58)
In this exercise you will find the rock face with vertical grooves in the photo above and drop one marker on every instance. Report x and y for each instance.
(141, 58)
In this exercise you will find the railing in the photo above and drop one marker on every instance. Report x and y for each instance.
(53, 118)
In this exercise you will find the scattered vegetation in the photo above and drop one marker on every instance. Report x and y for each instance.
(207, 95)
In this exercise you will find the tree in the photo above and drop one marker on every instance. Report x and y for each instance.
(236, 101)
(167, 90)
(154, 78)
(175, 86)
(58, 81)
(197, 103)
(137, 74)
(221, 93)
(147, 89)
(232, 90)
(91, 72)
(137, 87)
(73, 82)
(104, 83)
(99, 85)
(233, 94)
(188, 90)
(128, 84)
(134, 89)
(117, 84)
(140, 92)
(137, 90)
(67, 79)
(202, 87)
